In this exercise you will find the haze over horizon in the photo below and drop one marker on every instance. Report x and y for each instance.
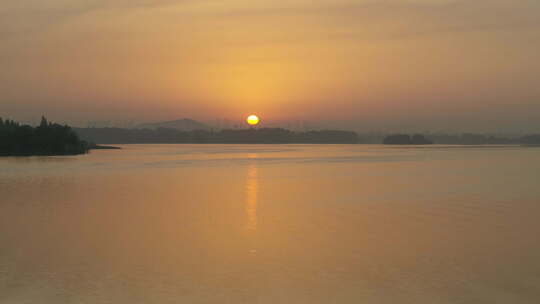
(451, 65)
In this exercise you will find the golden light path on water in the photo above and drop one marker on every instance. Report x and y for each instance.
(252, 184)
(252, 188)
(303, 224)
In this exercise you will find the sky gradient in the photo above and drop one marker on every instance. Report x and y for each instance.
(443, 65)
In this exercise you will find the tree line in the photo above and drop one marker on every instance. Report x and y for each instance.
(46, 139)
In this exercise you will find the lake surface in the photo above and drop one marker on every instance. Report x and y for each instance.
(272, 224)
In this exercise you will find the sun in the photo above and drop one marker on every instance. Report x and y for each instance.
(253, 120)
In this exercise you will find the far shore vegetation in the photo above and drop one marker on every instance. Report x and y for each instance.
(226, 136)
(404, 139)
(160, 135)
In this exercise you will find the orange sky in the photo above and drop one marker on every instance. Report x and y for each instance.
(373, 64)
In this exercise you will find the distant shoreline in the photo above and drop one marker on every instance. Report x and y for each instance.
(112, 136)
(240, 136)
(30, 154)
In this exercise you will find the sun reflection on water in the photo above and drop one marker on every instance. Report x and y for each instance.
(252, 185)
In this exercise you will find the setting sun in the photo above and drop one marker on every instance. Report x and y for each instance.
(252, 120)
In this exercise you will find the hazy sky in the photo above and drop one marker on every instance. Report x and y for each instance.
(363, 64)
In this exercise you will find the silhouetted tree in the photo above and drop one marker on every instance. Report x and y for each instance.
(46, 139)
(44, 123)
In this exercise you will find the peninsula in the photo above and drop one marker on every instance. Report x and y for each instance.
(47, 139)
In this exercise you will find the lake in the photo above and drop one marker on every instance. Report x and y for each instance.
(272, 224)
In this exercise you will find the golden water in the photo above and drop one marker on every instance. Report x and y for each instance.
(272, 224)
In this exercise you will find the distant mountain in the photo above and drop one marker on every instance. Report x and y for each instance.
(185, 124)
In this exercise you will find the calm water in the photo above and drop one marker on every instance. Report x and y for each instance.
(272, 224)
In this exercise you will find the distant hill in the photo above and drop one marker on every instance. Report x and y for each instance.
(185, 124)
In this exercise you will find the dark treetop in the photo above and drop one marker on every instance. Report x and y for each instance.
(45, 139)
